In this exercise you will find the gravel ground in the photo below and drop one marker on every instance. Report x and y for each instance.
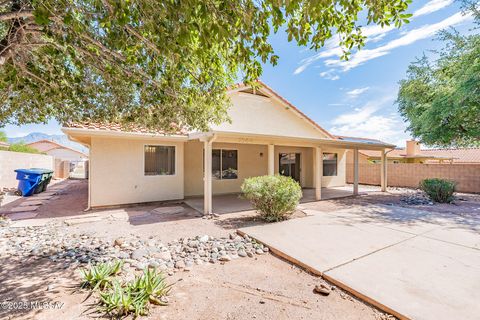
(217, 274)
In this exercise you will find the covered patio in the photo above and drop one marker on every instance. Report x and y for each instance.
(309, 171)
(230, 203)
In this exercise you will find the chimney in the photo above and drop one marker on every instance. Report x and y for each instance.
(413, 148)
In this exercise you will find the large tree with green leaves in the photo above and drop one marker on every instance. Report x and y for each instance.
(440, 99)
(153, 62)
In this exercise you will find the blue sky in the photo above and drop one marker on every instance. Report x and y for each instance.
(354, 97)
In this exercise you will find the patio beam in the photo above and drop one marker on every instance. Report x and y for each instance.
(318, 173)
(383, 171)
(355, 171)
(271, 159)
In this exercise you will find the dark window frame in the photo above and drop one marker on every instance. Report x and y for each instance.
(221, 172)
(172, 171)
(328, 171)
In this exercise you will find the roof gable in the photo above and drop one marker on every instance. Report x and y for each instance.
(263, 111)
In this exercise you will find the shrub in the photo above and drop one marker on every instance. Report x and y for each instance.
(439, 190)
(274, 197)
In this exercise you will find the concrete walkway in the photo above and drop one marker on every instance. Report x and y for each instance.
(414, 264)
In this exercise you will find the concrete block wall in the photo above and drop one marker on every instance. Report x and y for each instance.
(467, 176)
(10, 161)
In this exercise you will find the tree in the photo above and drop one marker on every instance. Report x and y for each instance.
(440, 99)
(22, 147)
(160, 64)
(3, 137)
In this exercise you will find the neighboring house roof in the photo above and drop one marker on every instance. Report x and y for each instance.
(3, 144)
(47, 145)
(461, 155)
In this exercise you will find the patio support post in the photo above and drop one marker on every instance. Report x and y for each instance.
(318, 173)
(271, 159)
(383, 171)
(207, 180)
(355, 171)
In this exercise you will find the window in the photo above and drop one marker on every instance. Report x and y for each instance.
(224, 164)
(329, 164)
(159, 160)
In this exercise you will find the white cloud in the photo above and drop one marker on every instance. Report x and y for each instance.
(367, 122)
(374, 33)
(432, 6)
(363, 113)
(410, 37)
(330, 75)
(356, 92)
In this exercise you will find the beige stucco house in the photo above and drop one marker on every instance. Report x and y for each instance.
(58, 151)
(266, 135)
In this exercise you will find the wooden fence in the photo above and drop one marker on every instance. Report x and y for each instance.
(467, 176)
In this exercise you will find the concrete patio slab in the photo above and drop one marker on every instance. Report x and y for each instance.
(32, 203)
(22, 215)
(24, 208)
(324, 242)
(411, 263)
(420, 278)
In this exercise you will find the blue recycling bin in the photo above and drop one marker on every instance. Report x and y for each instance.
(32, 180)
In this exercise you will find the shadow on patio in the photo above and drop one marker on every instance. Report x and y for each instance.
(229, 203)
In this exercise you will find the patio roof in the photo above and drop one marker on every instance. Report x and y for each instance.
(276, 139)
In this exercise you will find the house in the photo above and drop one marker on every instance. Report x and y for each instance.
(4, 145)
(58, 151)
(413, 154)
(266, 135)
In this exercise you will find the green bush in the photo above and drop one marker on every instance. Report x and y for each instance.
(274, 197)
(439, 190)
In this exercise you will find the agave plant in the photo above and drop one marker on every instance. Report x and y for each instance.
(121, 301)
(150, 286)
(100, 276)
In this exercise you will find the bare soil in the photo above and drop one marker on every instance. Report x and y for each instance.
(264, 287)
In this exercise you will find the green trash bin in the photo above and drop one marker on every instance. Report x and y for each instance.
(47, 175)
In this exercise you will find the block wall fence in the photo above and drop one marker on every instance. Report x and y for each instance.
(467, 176)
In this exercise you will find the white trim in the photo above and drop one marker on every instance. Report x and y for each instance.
(123, 134)
(309, 141)
(160, 175)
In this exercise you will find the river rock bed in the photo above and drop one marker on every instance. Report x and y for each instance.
(73, 250)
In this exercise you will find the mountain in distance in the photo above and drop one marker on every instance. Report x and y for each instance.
(58, 138)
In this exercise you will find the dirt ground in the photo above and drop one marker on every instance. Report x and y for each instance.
(264, 287)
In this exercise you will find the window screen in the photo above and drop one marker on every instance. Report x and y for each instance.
(159, 160)
(329, 164)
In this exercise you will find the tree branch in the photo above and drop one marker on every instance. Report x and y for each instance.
(16, 15)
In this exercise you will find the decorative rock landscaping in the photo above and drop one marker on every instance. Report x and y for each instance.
(53, 242)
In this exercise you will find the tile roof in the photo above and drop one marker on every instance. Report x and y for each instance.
(120, 128)
(460, 155)
(4, 144)
(53, 145)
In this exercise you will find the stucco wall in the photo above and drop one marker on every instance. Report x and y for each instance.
(259, 115)
(117, 173)
(250, 164)
(10, 161)
(65, 154)
(341, 178)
